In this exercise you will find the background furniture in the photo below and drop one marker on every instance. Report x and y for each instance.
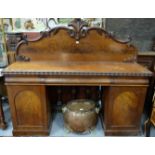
(147, 59)
(2, 119)
(3, 54)
(150, 121)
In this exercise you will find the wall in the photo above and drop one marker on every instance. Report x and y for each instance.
(141, 30)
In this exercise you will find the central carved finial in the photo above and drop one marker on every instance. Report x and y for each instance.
(78, 30)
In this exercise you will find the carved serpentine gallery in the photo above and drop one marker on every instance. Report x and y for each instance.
(72, 58)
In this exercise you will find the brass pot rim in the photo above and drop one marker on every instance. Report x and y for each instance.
(81, 105)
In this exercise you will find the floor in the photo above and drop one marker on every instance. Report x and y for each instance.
(58, 129)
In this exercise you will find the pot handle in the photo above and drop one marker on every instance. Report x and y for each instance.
(64, 109)
(97, 110)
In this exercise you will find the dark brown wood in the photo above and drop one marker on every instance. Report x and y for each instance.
(150, 121)
(3, 91)
(123, 106)
(68, 58)
(61, 95)
(147, 59)
(2, 118)
(147, 128)
(12, 40)
(3, 124)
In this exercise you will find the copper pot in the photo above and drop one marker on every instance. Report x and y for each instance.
(80, 115)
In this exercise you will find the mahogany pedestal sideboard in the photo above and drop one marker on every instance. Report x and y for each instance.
(76, 56)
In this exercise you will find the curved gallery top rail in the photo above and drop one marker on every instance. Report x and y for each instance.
(76, 42)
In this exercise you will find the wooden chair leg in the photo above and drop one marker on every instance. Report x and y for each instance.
(2, 120)
(147, 127)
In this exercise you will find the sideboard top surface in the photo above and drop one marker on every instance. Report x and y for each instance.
(95, 68)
